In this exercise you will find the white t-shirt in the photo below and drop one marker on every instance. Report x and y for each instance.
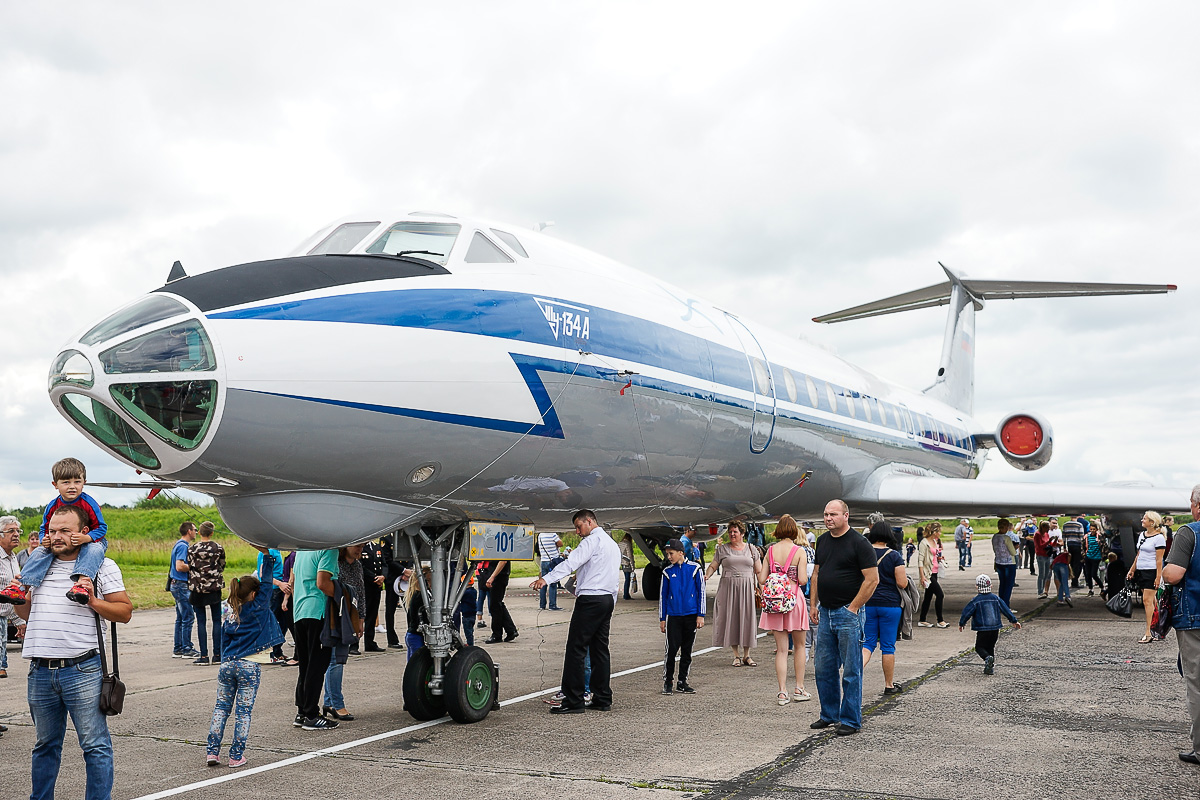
(547, 545)
(1145, 555)
(62, 628)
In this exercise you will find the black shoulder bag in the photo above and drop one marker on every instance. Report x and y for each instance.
(112, 689)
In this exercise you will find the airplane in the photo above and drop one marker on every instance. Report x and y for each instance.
(458, 383)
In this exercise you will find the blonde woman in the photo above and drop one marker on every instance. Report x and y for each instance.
(1147, 567)
(929, 565)
(735, 626)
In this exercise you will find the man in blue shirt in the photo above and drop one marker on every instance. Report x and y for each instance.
(185, 613)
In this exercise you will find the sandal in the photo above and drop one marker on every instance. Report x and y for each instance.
(943, 624)
(749, 662)
(737, 662)
(1145, 640)
(783, 698)
(799, 696)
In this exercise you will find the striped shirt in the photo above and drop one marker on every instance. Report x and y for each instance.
(547, 545)
(62, 628)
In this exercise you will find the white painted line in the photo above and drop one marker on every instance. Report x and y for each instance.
(337, 748)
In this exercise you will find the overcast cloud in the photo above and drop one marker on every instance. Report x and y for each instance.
(789, 158)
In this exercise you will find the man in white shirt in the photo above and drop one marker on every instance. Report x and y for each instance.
(548, 550)
(596, 563)
(10, 540)
(64, 676)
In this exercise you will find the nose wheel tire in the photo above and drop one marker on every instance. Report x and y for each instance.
(651, 581)
(470, 685)
(418, 700)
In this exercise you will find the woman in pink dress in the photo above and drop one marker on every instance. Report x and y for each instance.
(786, 557)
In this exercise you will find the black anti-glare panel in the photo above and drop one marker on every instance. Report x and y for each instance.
(262, 280)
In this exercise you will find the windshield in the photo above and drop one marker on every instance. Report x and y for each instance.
(179, 348)
(154, 308)
(431, 241)
(109, 429)
(178, 412)
(344, 238)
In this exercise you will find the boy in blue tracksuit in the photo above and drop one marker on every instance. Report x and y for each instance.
(680, 613)
(984, 611)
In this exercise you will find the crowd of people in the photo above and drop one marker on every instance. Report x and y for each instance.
(832, 599)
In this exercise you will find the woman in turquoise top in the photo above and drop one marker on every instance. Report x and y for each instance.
(1091, 558)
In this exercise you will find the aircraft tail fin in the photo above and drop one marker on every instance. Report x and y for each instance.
(955, 383)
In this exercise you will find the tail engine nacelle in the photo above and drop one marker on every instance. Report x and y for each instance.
(1025, 440)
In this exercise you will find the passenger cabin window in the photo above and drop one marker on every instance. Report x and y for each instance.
(343, 238)
(431, 241)
(814, 399)
(832, 397)
(482, 251)
(789, 384)
(513, 242)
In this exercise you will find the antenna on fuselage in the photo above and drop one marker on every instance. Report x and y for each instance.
(176, 272)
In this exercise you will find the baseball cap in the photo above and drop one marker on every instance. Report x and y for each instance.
(674, 544)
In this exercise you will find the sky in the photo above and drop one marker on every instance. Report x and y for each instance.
(789, 158)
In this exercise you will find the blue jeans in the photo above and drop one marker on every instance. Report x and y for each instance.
(333, 677)
(964, 555)
(236, 682)
(202, 630)
(1043, 574)
(837, 654)
(1062, 573)
(88, 562)
(1007, 575)
(52, 694)
(587, 672)
(482, 600)
(413, 642)
(464, 616)
(546, 566)
(185, 615)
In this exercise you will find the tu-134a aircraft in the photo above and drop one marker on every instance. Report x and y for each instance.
(439, 378)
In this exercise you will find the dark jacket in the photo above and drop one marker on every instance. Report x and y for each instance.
(984, 611)
(255, 628)
(337, 629)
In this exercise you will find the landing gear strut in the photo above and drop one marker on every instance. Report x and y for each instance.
(465, 685)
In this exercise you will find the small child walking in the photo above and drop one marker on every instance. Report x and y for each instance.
(69, 476)
(248, 626)
(680, 612)
(984, 611)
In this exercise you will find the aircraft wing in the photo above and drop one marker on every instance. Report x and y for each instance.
(933, 498)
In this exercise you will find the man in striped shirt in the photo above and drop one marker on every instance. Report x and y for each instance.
(62, 646)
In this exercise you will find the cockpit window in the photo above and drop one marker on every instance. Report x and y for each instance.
(343, 238)
(482, 251)
(109, 429)
(178, 412)
(428, 240)
(179, 348)
(71, 367)
(154, 308)
(513, 242)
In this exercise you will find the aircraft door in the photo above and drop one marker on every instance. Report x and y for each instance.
(762, 417)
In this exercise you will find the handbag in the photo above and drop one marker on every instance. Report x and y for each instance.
(1121, 603)
(1164, 615)
(112, 689)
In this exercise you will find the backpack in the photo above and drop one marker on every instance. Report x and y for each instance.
(779, 595)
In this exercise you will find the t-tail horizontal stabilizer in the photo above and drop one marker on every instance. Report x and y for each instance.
(955, 383)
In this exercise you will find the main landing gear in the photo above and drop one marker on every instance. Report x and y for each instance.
(465, 685)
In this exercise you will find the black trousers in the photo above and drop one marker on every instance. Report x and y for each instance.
(681, 635)
(1091, 571)
(1030, 556)
(502, 622)
(588, 635)
(934, 591)
(314, 660)
(283, 616)
(985, 643)
(390, 605)
(374, 593)
(1076, 551)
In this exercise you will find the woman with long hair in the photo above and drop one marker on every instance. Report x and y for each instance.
(350, 575)
(735, 626)
(787, 558)
(1147, 567)
(929, 564)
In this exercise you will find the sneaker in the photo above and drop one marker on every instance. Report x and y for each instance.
(79, 595)
(213, 761)
(1043, 596)
(319, 724)
(481, 624)
(924, 625)
(190, 653)
(202, 661)
(298, 722)
(587, 698)
(237, 762)
(667, 688)
(989, 665)
(684, 687)
(1068, 601)
(554, 699)
(14, 595)
(177, 654)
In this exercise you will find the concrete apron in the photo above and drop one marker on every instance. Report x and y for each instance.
(1075, 709)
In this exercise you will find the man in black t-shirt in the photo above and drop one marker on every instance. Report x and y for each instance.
(842, 582)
